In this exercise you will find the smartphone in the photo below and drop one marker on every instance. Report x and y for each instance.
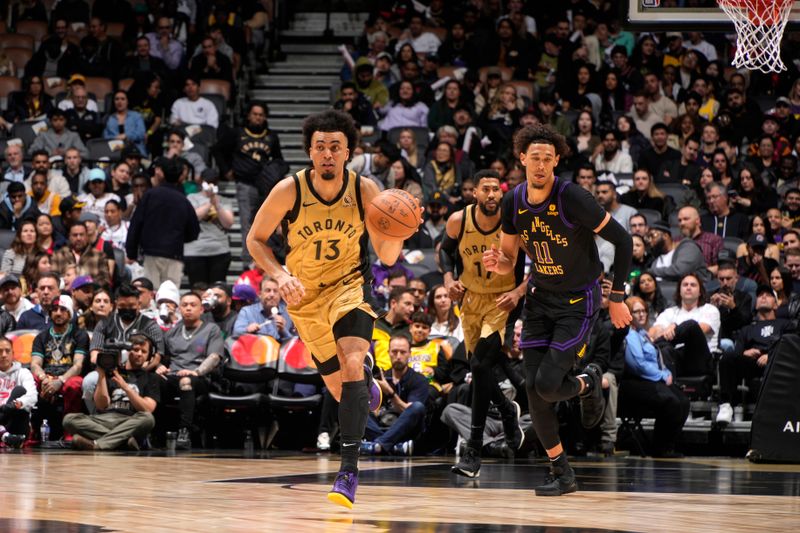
(122, 128)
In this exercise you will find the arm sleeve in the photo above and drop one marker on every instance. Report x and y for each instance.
(507, 214)
(614, 233)
(447, 253)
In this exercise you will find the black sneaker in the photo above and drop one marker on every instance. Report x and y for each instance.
(515, 437)
(499, 449)
(592, 402)
(13, 441)
(559, 481)
(470, 463)
(184, 441)
(607, 448)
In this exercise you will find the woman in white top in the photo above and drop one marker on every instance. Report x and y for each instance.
(445, 321)
(95, 200)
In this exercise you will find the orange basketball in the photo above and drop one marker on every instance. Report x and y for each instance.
(393, 214)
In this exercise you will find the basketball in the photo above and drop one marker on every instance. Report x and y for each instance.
(393, 214)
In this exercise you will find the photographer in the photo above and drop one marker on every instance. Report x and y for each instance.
(120, 325)
(194, 348)
(217, 307)
(735, 307)
(126, 396)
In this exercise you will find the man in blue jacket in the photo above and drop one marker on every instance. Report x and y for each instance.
(163, 221)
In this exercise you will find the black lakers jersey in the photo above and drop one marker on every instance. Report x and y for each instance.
(327, 239)
(557, 235)
(472, 242)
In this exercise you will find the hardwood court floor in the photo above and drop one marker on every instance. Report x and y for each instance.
(62, 491)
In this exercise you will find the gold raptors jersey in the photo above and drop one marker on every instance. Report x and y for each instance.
(472, 242)
(325, 238)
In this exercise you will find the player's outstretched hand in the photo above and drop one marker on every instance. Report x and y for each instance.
(491, 258)
(292, 291)
(620, 314)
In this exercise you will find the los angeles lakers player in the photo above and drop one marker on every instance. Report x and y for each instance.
(328, 266)
(486, 300)
(556, 221)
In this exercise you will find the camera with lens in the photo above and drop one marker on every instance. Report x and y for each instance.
(210, 302)
(110, 356)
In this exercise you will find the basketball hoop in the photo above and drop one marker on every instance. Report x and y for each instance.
(759, 28)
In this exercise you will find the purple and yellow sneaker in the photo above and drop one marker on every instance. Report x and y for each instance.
(375, 393)
(344, 489)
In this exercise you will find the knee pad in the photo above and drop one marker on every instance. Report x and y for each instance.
(547, 384)
(185, 384)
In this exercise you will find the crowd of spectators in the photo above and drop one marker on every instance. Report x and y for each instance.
(698, 161)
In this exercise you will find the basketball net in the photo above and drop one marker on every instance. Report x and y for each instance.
(759, 28)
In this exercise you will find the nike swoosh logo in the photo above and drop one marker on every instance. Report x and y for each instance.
(574, 301)
(348, 445)
(521, 211)
(309, 204)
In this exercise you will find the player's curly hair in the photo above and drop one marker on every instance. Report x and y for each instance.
(539, 134)
(330, 121)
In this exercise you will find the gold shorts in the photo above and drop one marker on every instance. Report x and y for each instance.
(318, 311)
(480, 317)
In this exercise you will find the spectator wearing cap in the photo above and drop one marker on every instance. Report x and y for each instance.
(13, 301)
(15, 169)
(207, 258)
(611, 158)
(16, 207)
(375, 91)
(163, 221)
(755, 264)
(218, 307)
(70, 209)
(673, 260)
(57, 357)
(789, 125)
(430, 69)
(95, 200)
(82, 289)
(355, 104)
(242, 295)
(431, 231)
(383, 71)
(423, 42)
(46, 201)
(80, 252)
(167, 299)
(147, 297)
(751, 354)
(74, 85)
(193, 108)
(40, 160)
(124, 124)
(265, 317)
(57, 139)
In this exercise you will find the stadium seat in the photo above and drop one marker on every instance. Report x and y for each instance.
(506, 73)
(25, 132)
(101, 88)
(731, 244)
(6, 238)
(35, 28)
(422, 136)
(17, 40)
(125, 84)
(651, 215)
(8, 85)
(219, 102)
(525, 90)
(100, 149)
(115, 30)
(20, 56)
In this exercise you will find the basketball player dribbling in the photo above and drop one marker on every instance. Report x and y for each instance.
(326, 269)
(556, 221)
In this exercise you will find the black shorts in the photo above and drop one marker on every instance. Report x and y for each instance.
(356, 323)
(560, 320)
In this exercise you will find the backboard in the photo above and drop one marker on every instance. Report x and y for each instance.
(666, 14)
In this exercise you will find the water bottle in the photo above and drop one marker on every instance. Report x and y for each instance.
(172, 440)
(248, 442)
(45, 431)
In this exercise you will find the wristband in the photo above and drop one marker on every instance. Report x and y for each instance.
(616, 297)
